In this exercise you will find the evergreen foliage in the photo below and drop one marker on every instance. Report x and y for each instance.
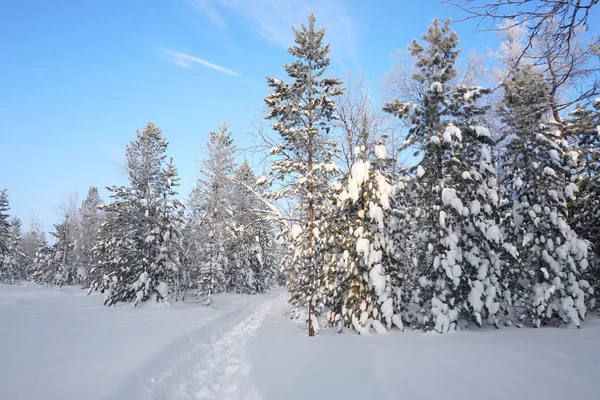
(4, 224)
(302, 111)
(13, 264)
(137, 254)
(547, 282)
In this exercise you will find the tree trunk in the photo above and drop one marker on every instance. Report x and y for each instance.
(311, 237)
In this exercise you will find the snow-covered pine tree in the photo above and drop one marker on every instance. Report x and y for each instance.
(583, 126)
(455, 265)
(30, 244)
(115, 245)
(485, 252)
(13, 265)
(4, 224)
(167, 232)
(63, 253)
(43, 269)
(137, 252)
(253, 246)
(209, 229)
(302, 111)
(402, 230)
(363, 263)
(90, 221)
(546, 285)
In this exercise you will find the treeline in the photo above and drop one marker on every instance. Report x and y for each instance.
(144, 244)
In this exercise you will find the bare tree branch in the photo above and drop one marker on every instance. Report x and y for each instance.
(571, 17)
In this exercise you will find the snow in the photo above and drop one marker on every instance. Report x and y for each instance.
(296, 231)
(482, 131)
(362, 246)
(448, 194)
(493, 233)
(61, 344)
(360, 171)
(571, 189)
(380, 151)
(450, 131)
(549, 171)
(329, 167)
(475, 207)
(163, 289)
(377, 279)
(518, 182)
(527, 361)
(442, 219)
(554, 155)
(449, 197)
(379, 328)
(457, 204)
(420, 171)
(436, 87)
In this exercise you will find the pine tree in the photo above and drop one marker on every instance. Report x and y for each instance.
(253, 247)
(4, 224)
(547, 284)
(456, 265)
(585, 189)
(30, 244)
(90, 221)
(43, 269)
(364, 268)
(63, 253)
(302, 111)
(210, 222)
(137, 252)
(13, 267)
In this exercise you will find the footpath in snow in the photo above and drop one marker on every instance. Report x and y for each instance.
(61, 344)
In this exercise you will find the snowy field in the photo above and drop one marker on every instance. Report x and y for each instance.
(62, 344)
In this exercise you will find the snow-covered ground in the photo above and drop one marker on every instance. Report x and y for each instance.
(62, 344)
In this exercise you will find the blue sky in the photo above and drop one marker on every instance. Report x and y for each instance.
(79, 77)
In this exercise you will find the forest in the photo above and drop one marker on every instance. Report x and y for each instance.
(470, 196)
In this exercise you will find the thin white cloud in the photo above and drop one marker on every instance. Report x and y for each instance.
(186, 61)
(273, 19)
(211, 13)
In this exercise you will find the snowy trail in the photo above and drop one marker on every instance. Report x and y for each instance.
(64, 345)
(209, 363)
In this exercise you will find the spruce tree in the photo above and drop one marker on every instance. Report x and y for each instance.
(302, 111)
(63, 253)
(363, 264)
(253, 247)
(547, 283)
(210, 223)
(137, 255)
(4, 224)
(30, 244)
(455, 258)
(43, 269)
(90, 221)
(13, 265)
(584, 215)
